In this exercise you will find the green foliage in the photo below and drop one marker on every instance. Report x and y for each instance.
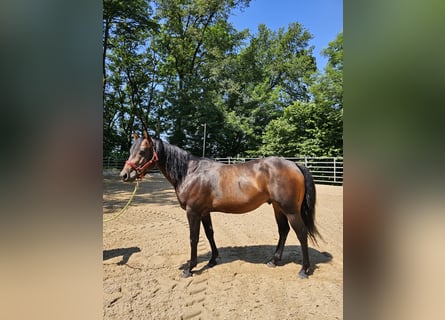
(127, 71)
(271, 72)
(173, 65)
(313, 128)
(328, 90)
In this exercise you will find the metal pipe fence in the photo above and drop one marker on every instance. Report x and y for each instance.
(325, 170)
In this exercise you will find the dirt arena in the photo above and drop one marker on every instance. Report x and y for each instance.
(145, 250)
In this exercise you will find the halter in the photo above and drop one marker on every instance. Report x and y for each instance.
(140, 169)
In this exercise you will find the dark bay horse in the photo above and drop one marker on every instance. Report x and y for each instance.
(203, 185)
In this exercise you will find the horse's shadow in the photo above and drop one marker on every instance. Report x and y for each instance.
(261, 254)
(257, 254)
(124, 252)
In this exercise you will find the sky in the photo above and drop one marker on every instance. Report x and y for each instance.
(322, 18)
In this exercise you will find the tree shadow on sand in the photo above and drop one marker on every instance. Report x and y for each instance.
(261, 254)
(154, 189)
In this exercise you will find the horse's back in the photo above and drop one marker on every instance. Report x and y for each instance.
(262, 171)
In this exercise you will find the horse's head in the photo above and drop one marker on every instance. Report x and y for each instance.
(143, 158)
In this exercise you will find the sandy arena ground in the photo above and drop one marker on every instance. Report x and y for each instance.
(145, 250)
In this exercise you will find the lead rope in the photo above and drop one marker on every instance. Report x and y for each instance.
(126, 206)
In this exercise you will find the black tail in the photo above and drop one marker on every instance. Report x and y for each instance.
(308, 205)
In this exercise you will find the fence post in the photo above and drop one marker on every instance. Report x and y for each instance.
(335, 170)
(305, 161)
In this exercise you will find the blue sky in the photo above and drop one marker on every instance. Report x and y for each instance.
(322, 18)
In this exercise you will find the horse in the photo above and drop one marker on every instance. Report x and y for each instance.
(203, 186)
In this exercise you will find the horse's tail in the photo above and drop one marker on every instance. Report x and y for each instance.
(308, 205)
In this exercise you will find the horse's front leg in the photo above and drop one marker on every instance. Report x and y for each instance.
(193, 218)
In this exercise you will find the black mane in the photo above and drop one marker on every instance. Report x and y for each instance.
(174, 159)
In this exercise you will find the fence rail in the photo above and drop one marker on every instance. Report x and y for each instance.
(325, 170)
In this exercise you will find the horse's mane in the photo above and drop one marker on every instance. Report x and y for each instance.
(175, 160)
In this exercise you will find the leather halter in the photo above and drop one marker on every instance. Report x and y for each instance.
(140, 170)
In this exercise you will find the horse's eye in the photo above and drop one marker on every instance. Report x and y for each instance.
(142, 152)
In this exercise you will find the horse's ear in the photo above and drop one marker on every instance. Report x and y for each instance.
(148, 139)
(146, 136)
(135, 136)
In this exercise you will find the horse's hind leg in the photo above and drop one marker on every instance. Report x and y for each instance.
(297, 224)
(283, 230)
(207, 224)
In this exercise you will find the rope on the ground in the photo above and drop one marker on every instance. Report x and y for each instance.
(126, 206)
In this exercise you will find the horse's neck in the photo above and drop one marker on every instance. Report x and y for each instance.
(167, 175)
(173, 162)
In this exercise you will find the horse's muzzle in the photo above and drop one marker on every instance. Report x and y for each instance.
(128, 176)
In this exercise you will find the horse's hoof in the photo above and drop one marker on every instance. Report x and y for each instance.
(302, 274)
(186, 274)
(271, 264)
(211, 264)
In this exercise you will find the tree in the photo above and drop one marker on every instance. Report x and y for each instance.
(312, 128)
(194, 39)
(173, 65)
(127, 25)
(273, 71)
(328, 90)
(328, 96)
(126, 18)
